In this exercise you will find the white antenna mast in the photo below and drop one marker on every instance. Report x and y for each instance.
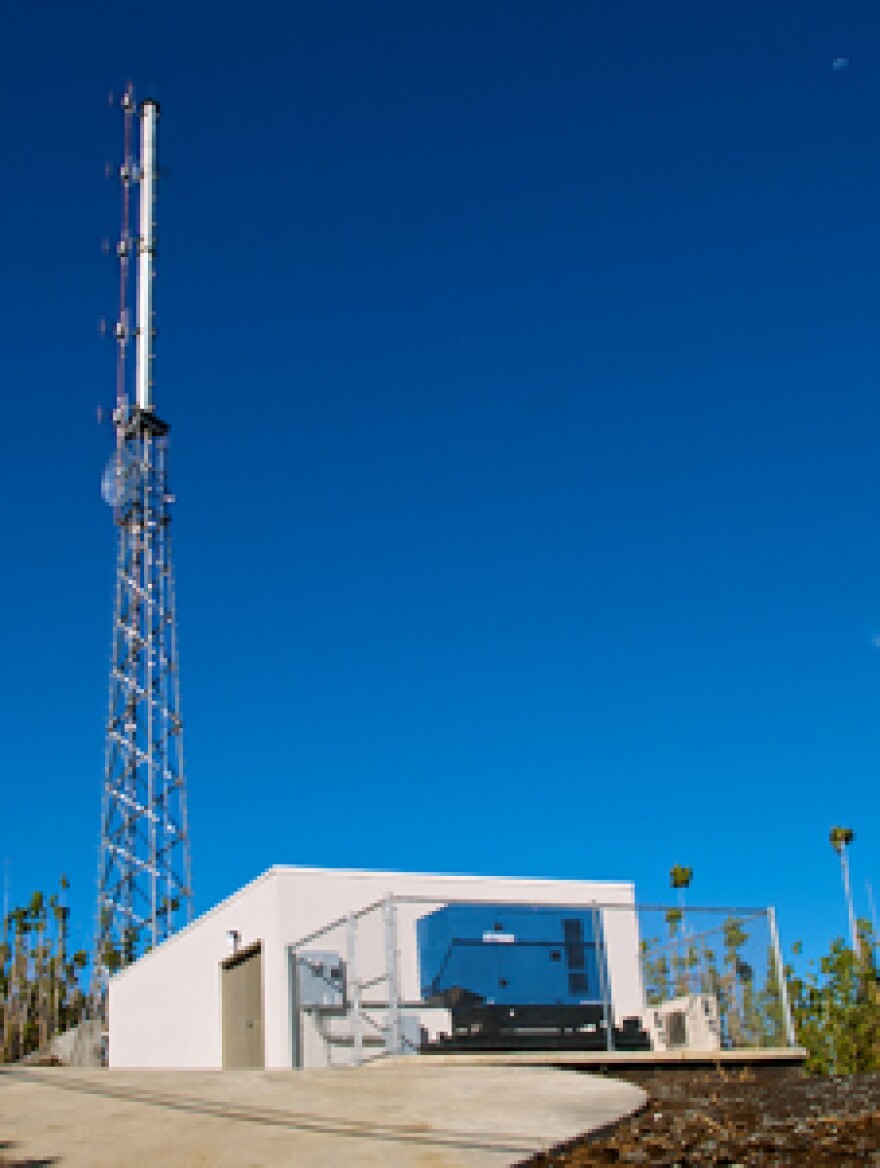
(146, 252)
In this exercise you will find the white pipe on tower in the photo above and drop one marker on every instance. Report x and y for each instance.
(146, 251)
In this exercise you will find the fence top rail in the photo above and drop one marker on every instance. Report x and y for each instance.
(744, 913)
(355, 915)
(618, 905)
(674, 943)
(731, 910)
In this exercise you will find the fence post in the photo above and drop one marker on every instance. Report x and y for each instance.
(791, 1038)
(602, 967)
(293, 1001)
(392, 1042)
(357, 1028)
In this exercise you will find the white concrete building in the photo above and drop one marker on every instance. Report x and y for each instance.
(311, 966)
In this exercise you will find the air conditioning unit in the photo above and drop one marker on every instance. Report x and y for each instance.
(687, 1023)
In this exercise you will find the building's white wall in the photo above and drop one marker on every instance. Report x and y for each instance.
(624, 962)
(165, 1010)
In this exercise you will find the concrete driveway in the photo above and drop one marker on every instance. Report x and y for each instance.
(397, 1114)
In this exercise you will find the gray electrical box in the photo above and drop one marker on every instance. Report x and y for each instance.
(320, 981)
(410, 1034)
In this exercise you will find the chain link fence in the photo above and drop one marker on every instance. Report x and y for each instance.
(413, 975)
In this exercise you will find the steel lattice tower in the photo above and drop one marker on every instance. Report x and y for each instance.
(144, 885)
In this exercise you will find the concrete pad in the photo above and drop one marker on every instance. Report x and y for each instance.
(650, 1060)
(397, 1114)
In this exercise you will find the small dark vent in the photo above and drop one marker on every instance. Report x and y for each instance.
(676, 1029)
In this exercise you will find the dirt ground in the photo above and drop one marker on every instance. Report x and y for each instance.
(736, 1119)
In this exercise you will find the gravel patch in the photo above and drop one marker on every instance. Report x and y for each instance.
(716, 1119)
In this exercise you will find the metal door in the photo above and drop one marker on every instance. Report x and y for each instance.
(242, 997)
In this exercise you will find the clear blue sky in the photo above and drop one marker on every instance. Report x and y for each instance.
(522, 362)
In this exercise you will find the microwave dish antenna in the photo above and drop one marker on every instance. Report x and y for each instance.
(119, 480)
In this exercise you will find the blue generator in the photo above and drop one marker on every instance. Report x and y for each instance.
(518, 977)
(513, 955)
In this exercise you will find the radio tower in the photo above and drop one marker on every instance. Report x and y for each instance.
(144, 887)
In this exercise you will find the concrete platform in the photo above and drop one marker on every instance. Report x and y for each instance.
(394, 1114)
(757, 1059)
